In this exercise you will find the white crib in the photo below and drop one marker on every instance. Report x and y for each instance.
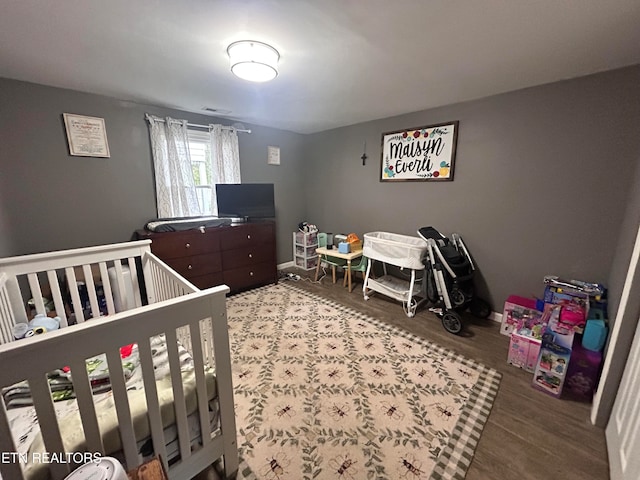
(173, 307)
(402, 251)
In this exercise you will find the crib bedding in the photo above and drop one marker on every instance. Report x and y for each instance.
(61, 385)
(25, 428)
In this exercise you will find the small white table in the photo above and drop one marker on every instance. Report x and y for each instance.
(334, 253)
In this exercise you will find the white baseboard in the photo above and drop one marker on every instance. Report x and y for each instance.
(496, 317)
(282, 266)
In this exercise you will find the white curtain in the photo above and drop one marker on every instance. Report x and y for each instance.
(225, 159)
(175, 191)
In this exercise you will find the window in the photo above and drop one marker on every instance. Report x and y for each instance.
(200, 153)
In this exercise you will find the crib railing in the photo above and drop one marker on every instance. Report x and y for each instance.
(40, 279)
(31, 359)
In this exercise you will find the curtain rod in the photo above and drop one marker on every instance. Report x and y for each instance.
(224, 127)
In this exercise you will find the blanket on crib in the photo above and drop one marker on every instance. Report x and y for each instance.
(60, 381)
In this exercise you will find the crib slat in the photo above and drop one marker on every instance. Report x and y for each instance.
(48, 421)
(134, 281)
(208, 342)
(153, 405)
(162, 281)
(222, 354)
(106, 285)
(201, 384)
(147, 271)
(165, 285)
(6, 313)
(123, 410)
(36, 293)
(57, 297)
(84, 395)
(91, 290)
(178, 394)
(75, 296)
(8, 469)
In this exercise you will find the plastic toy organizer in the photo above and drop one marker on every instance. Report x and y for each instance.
(394, 249)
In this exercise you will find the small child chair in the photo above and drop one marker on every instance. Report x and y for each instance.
(328, 259)
(359, 267)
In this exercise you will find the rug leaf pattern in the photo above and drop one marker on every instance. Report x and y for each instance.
(324, 392)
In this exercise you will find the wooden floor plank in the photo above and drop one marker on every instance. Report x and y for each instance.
(529, 435)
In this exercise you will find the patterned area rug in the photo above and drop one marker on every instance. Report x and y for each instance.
(324, 392)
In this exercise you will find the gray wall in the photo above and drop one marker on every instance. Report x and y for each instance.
(542, 177)
(628, 319)
(50, 200)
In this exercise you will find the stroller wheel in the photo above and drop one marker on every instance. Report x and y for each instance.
(451, 322)
(457, 297)
(479, 308)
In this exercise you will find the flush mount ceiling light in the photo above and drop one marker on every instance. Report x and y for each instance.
(253, 61)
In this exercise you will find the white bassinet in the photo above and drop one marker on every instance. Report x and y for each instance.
(401, 251)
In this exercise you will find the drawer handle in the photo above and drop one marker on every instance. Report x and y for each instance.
(248, 237)
(250, 255)
(251, 274)
(190, 267)
(188, 245)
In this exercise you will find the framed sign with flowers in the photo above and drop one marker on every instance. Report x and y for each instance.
(417, 154)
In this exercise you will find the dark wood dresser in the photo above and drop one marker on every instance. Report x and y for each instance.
(241, 256)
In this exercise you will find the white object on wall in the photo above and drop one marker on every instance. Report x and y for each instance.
(273, 155)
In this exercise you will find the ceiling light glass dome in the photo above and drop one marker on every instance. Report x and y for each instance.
(253, 61)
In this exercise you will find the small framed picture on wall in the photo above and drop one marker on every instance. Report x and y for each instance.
(86, 136)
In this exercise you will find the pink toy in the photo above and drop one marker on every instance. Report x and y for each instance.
(523, 352)
(518, 313)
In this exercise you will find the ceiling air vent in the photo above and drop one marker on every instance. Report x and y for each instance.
(218, 111)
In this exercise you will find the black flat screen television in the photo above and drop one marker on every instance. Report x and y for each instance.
(245, 200)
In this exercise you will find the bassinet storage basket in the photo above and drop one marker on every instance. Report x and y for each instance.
(394, 249)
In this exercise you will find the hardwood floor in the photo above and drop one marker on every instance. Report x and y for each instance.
(530, 435)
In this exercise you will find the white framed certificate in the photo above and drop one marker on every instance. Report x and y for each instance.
(87, 136)
(273, 155)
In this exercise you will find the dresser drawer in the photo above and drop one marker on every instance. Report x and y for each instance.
(171, 245)
(242, 278)
(246, 235)
(243, 257)
(206, 281)
(196, 264)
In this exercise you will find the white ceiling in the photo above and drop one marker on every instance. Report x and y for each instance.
(342, 61)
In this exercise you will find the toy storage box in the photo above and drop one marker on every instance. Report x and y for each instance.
(553, 361)
(523, 352)
(519, 311)
(583, 372)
